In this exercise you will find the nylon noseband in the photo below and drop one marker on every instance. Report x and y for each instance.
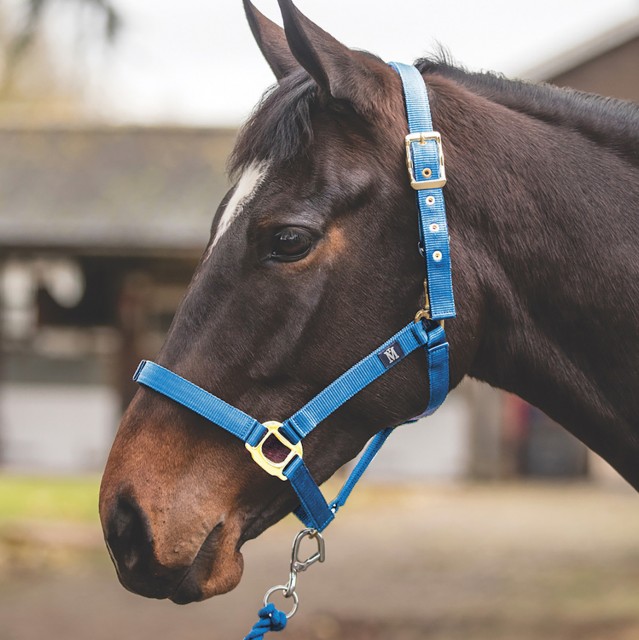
(425, 162)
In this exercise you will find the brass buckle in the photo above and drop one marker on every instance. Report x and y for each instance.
(274, 468)
(422, 137)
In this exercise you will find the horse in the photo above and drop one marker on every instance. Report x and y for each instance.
(312, 262)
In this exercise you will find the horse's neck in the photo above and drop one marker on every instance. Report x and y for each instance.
(558, 264)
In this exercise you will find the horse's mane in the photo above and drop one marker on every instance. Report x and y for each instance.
(607, 121)
(280, 127)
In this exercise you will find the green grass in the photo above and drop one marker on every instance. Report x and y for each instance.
(71, 499)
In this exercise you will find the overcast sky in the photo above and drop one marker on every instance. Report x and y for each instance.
(195, 62)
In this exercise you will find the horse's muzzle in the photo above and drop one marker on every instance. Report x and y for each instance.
(198, 567)
(129, 539)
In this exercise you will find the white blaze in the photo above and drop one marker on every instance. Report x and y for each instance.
(247, 185)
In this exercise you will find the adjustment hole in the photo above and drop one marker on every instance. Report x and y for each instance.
(427, 173)
(430, 201)
(437, 256)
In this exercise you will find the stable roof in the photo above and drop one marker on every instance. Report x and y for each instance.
(111, 188)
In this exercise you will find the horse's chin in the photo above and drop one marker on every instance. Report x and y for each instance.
(219, 564)
(204, 581)
(216, 569)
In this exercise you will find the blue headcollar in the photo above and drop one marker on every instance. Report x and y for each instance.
(425, 162)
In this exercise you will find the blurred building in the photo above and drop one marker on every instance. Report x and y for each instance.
(607, 65)
(100, 230)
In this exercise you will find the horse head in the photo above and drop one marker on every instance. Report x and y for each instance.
(312, 262)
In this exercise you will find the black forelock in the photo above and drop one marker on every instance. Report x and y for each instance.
(280, 127)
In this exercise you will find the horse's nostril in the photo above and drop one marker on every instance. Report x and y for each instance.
(128, 534)
(131, 543)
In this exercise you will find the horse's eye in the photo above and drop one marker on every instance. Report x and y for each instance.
(291, 244)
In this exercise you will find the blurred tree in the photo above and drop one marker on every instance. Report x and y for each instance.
(32, 84)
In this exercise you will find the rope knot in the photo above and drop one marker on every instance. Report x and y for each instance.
(271, 619)
(278, 618)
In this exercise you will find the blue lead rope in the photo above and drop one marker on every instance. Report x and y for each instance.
(427, 176)
(270, 619)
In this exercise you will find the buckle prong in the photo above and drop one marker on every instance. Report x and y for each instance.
(422, 137)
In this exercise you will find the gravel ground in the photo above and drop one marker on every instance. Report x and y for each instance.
(505, 562)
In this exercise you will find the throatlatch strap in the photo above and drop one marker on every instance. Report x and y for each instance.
(367, 457)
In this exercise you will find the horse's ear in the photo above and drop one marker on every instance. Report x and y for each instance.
(271, 40)
(340, 72)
